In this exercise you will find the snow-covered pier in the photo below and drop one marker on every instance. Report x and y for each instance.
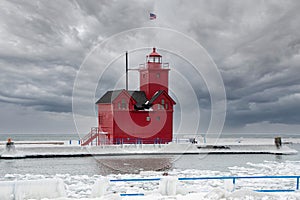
(40, 149)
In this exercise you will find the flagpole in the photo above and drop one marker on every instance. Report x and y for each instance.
(126, 70)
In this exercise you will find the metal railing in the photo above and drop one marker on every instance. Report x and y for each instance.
(90, 136)
(233, 178)
(144, 66)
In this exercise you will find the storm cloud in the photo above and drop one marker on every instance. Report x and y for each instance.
(254, 44)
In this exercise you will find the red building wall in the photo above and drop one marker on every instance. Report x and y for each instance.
(105, 118)
(152, 80)
(139, 130)
(155, 126)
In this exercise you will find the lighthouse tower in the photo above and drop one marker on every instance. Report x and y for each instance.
(154, 76)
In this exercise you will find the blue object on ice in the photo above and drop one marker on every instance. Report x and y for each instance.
(137, 194)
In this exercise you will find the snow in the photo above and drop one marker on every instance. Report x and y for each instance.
(226, 145)
(167, 186)
(97, 187)
(35, 189)
(100, 187)
(228, 185)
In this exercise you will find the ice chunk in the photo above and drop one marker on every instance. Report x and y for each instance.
(167, 185)
(100, 187)
(6, 190)
(215, 194)
(36, 189)
(228, 185)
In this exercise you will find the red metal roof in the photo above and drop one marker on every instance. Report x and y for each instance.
(154, 53)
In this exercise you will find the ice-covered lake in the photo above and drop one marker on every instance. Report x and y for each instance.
(79, 174)
(80, 185)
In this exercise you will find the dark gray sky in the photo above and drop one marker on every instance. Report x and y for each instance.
(43, 45)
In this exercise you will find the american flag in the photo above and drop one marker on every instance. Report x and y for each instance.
(152, 16)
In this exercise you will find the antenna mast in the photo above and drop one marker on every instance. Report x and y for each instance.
(126, 71)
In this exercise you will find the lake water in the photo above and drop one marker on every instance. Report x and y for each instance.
(129, 164)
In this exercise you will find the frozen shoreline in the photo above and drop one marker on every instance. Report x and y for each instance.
(69, 187)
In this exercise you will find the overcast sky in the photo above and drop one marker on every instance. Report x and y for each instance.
(44, 45)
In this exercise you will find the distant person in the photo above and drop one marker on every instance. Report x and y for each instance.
(10, 146)
(193, 140)
(278, 142)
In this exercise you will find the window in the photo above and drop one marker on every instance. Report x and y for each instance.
(154, 59)
(166, 106)
(148, 119)
(157, 60)
(123, 105)
(158, 106)
(163, 103)
(119, 105)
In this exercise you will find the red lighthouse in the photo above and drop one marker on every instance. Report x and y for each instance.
(144, 116)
